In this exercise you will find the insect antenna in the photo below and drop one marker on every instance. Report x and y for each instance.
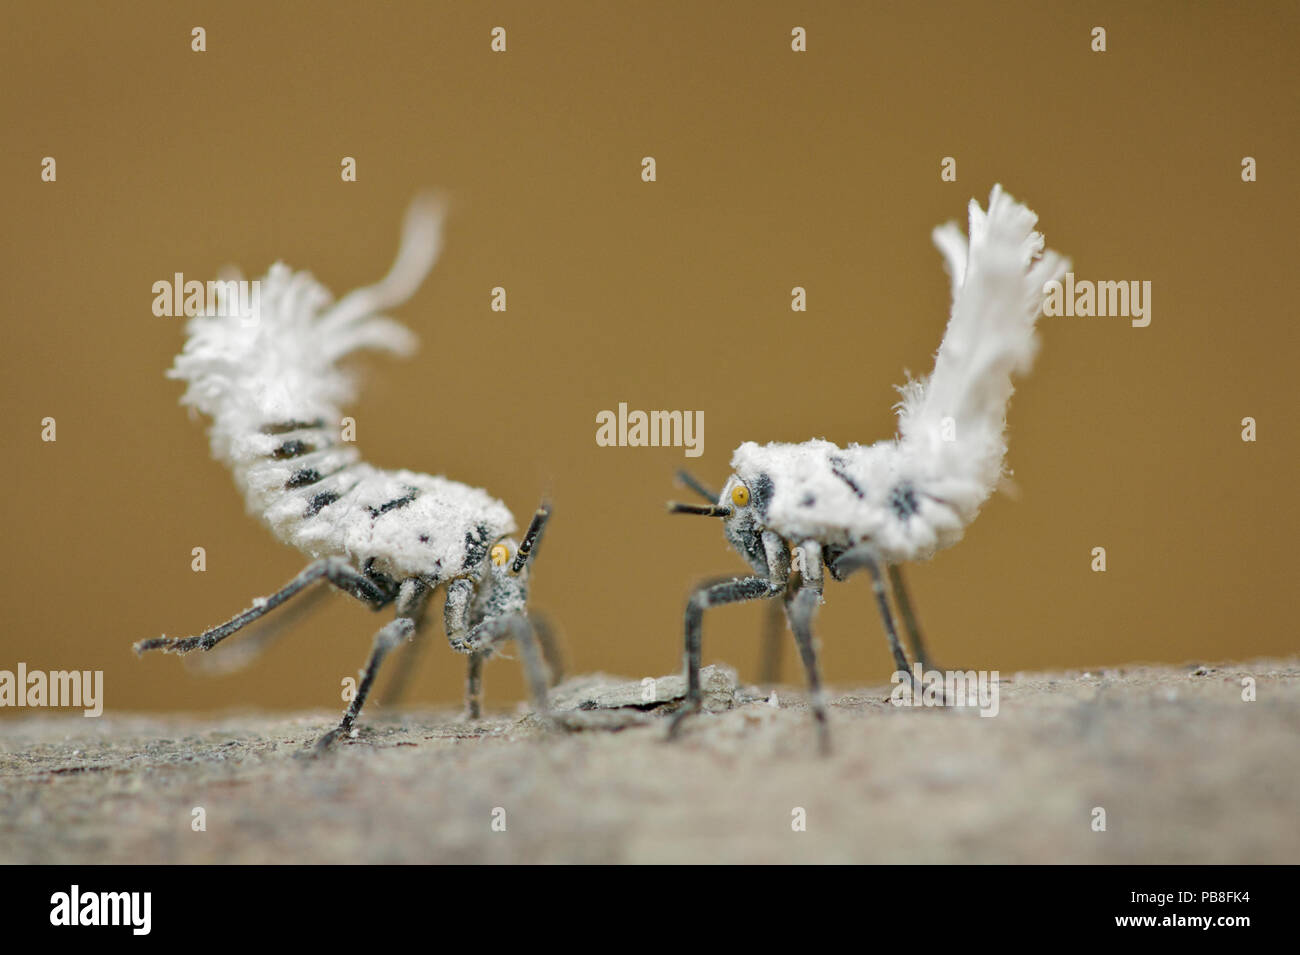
(689, 480)
(531, 537)
(708, 510)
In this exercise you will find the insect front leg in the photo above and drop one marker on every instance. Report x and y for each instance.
(334, 569)
(549, 645)
(495, 631)
(731, 590)
(774, 623)
(714, 594)
(474, 686)
(774, 618)
(410, 605)
(480, 640)
(800, 607)
(535, 668)
(455, 616)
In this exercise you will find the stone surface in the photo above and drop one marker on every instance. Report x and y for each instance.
(1185, 770)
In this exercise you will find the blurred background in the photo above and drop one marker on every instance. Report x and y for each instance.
(775, 169)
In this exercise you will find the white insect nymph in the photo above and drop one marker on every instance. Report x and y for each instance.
(273, 385)
(790, 509)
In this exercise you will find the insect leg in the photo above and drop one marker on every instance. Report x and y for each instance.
(534, 665)
(488, 634)
(769, 670)
(410, 605)
(257, 637)
(474, 687)
(550, 646)
(864, 555)
(455, 613)
(732, 590)
(407, 658)
(904, 603)
(333, 569)
(689, 480)
(801, 605)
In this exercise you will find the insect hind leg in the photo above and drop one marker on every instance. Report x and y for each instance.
(333, 569)
(257, 637)
(904, 604)
(864, 555)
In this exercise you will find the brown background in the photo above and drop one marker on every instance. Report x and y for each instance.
(775, 169)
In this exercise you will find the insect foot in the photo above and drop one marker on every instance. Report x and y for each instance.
(793, 511)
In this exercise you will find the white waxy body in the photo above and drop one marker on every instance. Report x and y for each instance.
(275, 390)
(914, 494)
(445, 531)
(845, 496)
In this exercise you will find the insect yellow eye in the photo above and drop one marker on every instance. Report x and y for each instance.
(740, 495)
(500, 554)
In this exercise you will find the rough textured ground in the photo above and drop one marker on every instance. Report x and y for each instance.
(1185, 770)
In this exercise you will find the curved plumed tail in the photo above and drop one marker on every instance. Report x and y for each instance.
(953, 423)
(276, 360)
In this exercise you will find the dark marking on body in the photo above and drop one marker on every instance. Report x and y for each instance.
(318, 502)
(292, 449)
(284, 427)
(303, 477)
(410, 495)
(760, 492)
(476, 546)
(839, 467)
(902, 499)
